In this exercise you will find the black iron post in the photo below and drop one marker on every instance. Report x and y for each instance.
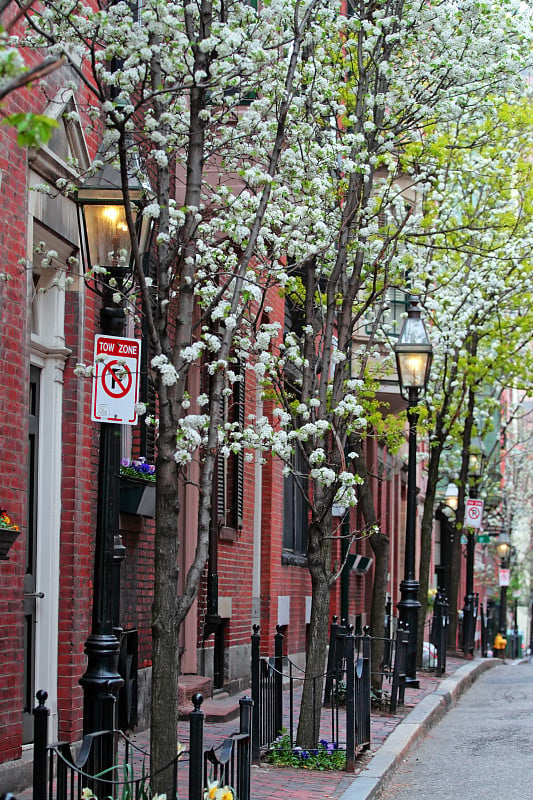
(503, 608)
(469, 605)
(409, 604)
(515, 652)
(101, 680)
(531, 627)
(413, 352)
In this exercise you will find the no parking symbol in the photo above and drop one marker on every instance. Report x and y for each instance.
(473, 513)
(116, 380)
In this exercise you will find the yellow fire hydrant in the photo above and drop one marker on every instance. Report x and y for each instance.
(500, 645)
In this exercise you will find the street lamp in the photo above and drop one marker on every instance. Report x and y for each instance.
(503, 548)
(451, 497)
(475, 470)
(106, 245)
(413, 352)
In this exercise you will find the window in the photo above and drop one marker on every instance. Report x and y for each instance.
(229, 470)
(295, 510)
(392, 311)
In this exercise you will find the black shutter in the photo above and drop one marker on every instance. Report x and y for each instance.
(220, 468)
(239, 396)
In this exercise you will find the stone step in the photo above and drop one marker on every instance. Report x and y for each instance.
(189, 685)
(220, 708)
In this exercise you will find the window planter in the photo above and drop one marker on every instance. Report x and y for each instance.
(7, 539)
(137, 497)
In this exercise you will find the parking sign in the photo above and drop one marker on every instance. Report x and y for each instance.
(116, 380)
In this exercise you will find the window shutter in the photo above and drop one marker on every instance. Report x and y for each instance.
(221, 480)
(238, 459)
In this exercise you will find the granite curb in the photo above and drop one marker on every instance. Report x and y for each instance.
(369, 783)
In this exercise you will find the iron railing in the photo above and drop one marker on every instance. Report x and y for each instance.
(348, 691)
(59, 774)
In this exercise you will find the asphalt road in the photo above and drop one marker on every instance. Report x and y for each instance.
(482, 749)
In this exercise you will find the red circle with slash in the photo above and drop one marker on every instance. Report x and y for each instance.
(123, 384)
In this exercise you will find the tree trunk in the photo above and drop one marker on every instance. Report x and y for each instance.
(319, 559)
(164, 703)
(381, 548)
(426, 536)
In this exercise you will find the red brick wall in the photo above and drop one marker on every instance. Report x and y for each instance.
(14, 381)
(79, 452)
(79, 495)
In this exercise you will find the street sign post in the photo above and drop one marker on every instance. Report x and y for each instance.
(473, 513)
(116, 380)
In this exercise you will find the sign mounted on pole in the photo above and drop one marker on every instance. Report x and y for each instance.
(505, 577)
(117, 364)
(473, 513)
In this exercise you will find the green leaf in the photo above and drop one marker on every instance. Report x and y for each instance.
(33, 130)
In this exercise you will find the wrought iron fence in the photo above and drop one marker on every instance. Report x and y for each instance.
(59, 774)
(347, 682)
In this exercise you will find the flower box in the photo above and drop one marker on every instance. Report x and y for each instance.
(8, 534)
(137, 497)
(7, 539)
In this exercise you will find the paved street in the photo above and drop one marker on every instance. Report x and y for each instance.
(481, 748)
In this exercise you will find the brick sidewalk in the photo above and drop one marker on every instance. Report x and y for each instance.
(285, 783)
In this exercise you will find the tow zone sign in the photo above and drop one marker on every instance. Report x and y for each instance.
(116, 380)
(473, 513)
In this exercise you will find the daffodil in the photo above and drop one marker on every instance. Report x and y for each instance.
(225, 793)
(210, 793)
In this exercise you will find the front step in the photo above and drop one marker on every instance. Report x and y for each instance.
(218, 709)
(189, 685)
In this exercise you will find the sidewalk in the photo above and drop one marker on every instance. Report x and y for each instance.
(391, 738)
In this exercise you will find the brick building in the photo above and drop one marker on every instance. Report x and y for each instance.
(48, 482)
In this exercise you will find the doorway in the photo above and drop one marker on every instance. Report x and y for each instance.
(30, 594)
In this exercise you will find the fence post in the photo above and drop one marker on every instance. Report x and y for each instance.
(484, 631)
(367, 698)
(398, 673)
(256, 695)
(40, 745)
(244, 748)
(475, 613)
(278, 680)
(443, 644)
(349, 645)
(196, 749)
(331, 656)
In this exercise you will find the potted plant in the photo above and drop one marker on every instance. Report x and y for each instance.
(137, 487)
(8, 534)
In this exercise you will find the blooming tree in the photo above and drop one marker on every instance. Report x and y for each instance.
(475, 267)
(405, 71)
(278, 145)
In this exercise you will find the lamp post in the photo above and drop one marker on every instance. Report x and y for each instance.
(470, 604)
(503, 548)
(413, 352)
(106, 244)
